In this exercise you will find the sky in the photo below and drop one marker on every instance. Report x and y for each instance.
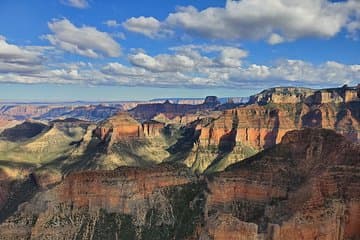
(66, 50)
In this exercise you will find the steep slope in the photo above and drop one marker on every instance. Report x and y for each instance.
(128, 203)
(239, 133)
(7, 123)
(124, 141)
(307, 187)
(23, 131)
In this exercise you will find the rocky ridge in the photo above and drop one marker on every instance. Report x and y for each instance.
(306, 187)
(240, 132)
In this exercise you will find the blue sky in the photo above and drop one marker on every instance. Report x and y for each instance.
(118, 50)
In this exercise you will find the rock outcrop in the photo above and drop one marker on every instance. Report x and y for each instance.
(122, 127)
(54, 111)
(23, 131)
(282, 95)
(171, 110)
(240, 132)
(129, 203)
(306, 187)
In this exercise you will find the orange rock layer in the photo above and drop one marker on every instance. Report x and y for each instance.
(264, 126)
(123, 126)
(305, 188)
(120, 189)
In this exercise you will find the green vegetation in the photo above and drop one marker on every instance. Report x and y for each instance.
(114, 226)
(187, 203)
(46, 147)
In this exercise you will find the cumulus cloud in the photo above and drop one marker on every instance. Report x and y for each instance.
(112, 23)
(275, 39)
(19, 59)
(273, 20)
(228, 56)
(188, 66)
(163, 62)
(85, 41)
(147, 26)
(76, 3)
(118, 69)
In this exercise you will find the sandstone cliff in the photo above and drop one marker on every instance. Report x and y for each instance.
(129, 203)
(306, 187)
(240, 132)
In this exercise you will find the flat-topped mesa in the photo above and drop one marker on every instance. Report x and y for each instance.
(281, 95)
(120, 126)
(344, 94)
(123, 126)
(284, 95)
(211, 100)
(171, 110)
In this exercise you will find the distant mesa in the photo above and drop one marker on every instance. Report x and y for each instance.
(294, 95)
(171, 110)
(211, 100)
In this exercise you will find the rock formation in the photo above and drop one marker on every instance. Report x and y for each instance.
(23, 131)
(306, 187)
(123, 126)
(239, 133)
(54, 111)
(171, 110)
(128, 203)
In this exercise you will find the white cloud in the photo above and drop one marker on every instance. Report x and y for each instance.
(117, 69)
(162, 63)
(86, 41)
(188, 66)
(228, 56)
(19, 59)
(275, 39)
(297, 72)
(147, 26)
(273, 20)
(112, 23)
(76, 3)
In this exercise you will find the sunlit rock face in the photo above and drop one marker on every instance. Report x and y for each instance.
(123, 126)
(306, 187)
(240, 132)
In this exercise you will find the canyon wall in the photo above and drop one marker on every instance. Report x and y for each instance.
(240, 132)
(306, 187)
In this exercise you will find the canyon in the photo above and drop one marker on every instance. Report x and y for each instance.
(306, 187)
(285, 165)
